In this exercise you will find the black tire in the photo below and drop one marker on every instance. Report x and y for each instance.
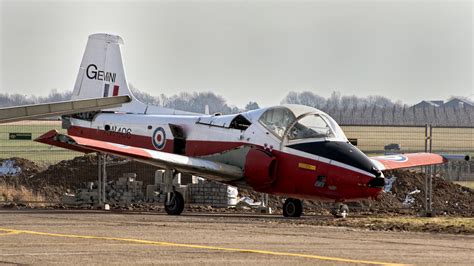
(176, 205)
(340, 211)
(344, 210)
(292, 208)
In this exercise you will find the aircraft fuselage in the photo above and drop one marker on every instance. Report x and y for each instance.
(320, 169)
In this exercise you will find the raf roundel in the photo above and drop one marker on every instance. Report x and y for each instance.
(399, 158)
(159, 138)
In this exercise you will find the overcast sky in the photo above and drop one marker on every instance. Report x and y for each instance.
(248, 50)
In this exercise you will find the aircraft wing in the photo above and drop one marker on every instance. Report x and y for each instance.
(205, 168)
(397, 161)
(16, 113)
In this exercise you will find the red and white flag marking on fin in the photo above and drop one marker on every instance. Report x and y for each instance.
(115, 91)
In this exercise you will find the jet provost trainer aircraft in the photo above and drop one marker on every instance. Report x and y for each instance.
(294, 151)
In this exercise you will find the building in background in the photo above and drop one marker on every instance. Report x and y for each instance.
(453, 102)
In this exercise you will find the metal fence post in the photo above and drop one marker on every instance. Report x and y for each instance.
(432, 173)
(431, 139)
(429, 172)
(104, 177)
(424, 169)
(426, 137)
(99, 180)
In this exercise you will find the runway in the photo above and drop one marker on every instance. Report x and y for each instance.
(96, 237)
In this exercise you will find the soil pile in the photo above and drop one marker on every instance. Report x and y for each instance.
(448, 197)
(66, 175)
(20, 175)
(18, 170)
(74, 173)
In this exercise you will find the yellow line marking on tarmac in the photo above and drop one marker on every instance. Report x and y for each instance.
(10, 233)
(170, 244)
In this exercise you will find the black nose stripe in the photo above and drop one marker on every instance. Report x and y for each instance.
(342, 152)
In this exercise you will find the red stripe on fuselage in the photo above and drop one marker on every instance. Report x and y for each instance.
(193, 147)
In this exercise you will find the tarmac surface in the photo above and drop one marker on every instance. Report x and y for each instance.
(98, 237)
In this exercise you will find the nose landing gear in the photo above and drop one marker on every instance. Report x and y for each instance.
(340, 210)
(292, 208)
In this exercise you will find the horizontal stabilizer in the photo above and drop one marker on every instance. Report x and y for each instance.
(17, 113)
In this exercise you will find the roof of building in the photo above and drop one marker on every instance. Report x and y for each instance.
(461, 99)
(439, 103)
(431, 103)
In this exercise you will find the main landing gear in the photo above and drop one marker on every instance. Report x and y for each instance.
(292, 208)
(174, 203)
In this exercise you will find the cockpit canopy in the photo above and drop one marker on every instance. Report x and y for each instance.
(295, 122)
(277, 120)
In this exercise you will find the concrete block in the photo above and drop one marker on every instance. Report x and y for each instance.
(159, 176)
(130, 175)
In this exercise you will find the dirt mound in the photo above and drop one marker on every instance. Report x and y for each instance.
(71, 174)
(448, 197)
(22, 174)
(74, 173)
(18, 171)
(10, 167)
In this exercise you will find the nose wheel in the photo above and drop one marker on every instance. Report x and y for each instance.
(174, 204)
(292, 208)
(340, 210)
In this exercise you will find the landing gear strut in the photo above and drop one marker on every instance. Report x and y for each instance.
(340, 210)
(292, 208)
(174, 204)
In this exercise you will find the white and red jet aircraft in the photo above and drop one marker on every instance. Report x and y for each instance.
(294, 151)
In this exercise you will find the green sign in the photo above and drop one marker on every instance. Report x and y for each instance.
(20, 136)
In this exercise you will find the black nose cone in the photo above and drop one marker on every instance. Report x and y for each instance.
(377, 182)
(339, 151)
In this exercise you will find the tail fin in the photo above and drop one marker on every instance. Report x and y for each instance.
(102, 74)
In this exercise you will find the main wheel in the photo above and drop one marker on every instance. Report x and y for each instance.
(176, 204)
(292, 208)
